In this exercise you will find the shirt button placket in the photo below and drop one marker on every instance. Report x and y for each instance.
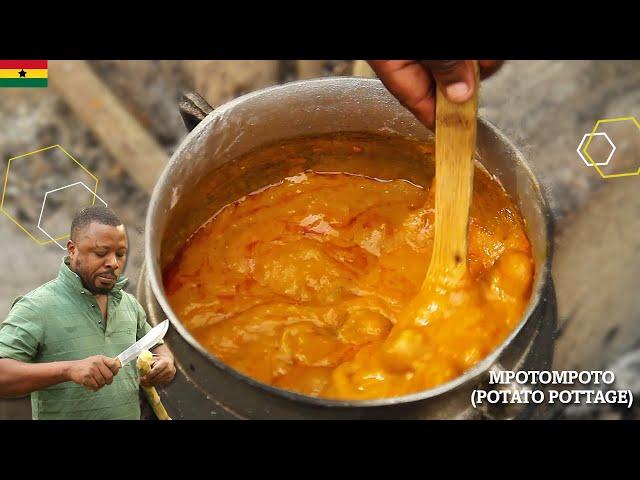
(100, 320)
(93, 305)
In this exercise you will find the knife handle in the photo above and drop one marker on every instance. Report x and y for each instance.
(118, 362)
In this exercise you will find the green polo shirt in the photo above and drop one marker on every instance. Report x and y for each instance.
(61, 320)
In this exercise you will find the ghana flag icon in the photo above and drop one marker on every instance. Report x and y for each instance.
(24, 73)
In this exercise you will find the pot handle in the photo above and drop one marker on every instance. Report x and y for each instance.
(193, 108)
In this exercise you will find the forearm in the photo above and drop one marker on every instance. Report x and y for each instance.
(19, 378)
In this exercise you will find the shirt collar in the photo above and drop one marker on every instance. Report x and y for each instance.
(71, 279)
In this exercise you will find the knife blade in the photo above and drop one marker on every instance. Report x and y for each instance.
(149, 340)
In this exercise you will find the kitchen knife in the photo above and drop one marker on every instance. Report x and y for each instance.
(145, 343)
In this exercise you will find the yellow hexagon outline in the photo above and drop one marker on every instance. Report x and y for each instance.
(597, 167)
(6, 179)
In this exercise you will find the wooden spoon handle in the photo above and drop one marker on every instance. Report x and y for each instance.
(456, 126)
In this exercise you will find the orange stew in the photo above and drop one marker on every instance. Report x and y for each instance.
(310, 285)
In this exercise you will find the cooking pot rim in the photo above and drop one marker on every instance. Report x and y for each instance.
(153, 268)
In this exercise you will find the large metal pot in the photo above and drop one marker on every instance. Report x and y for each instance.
(207, 388)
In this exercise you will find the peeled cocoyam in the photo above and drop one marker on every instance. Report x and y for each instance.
(144, 362)
(144, 367)
(145, 356)
(144, 359)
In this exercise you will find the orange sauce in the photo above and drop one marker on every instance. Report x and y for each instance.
(310, 284)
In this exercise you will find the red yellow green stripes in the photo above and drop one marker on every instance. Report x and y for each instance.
(24, 73)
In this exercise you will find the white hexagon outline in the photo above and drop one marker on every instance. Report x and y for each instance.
(44, 200)
(602, 164)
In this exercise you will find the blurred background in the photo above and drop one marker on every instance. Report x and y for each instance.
(120, 121)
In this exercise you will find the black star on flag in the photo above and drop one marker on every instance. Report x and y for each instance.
(22, 73)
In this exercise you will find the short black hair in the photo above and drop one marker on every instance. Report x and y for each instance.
(95, 213)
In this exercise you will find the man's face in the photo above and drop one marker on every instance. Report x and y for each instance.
(98, 256)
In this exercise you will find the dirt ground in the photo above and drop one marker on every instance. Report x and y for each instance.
(543, 106)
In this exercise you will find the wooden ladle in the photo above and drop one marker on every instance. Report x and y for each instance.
(456, 125)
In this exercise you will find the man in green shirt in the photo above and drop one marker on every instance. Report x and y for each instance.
(59, 341)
